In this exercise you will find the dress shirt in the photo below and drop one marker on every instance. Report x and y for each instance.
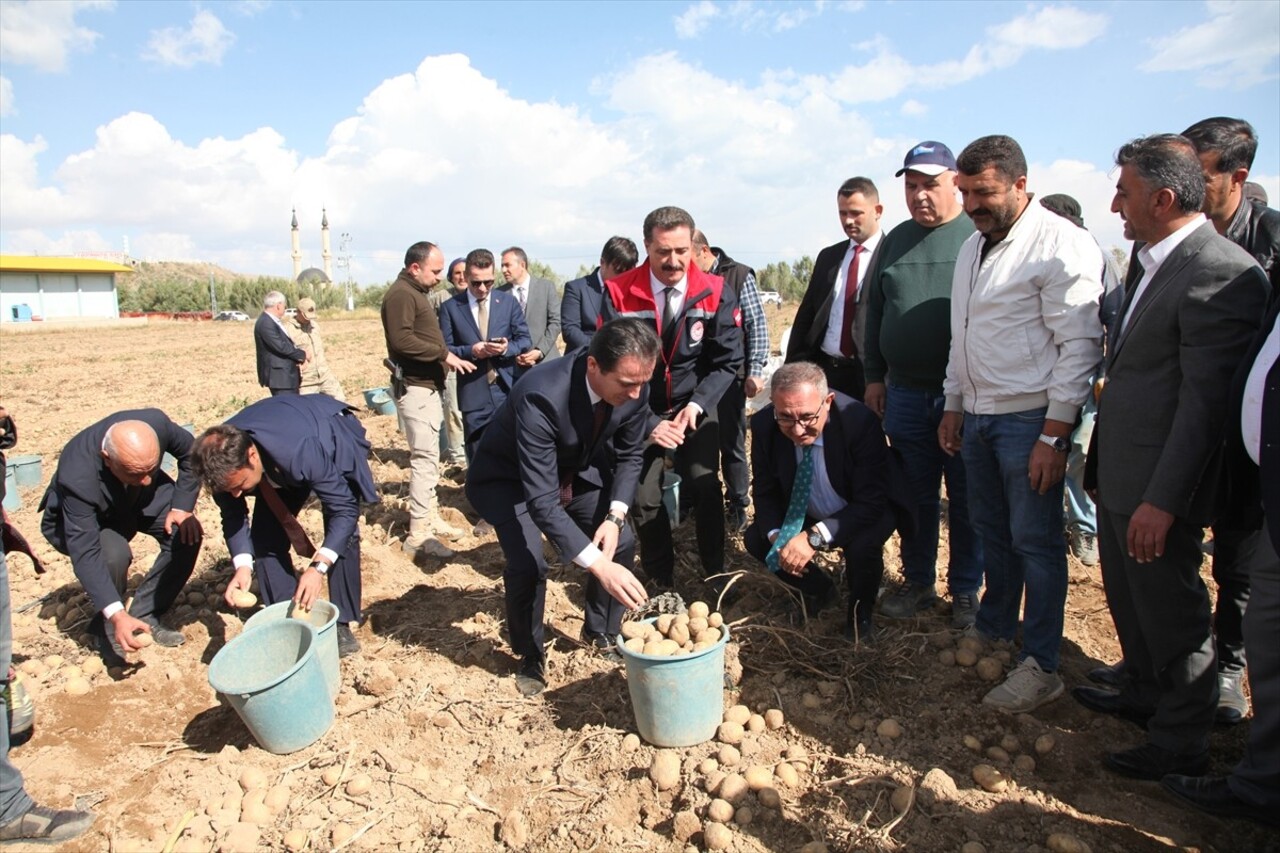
(1254, 386)
(677, 303)
(835, 323)
(1152, 255)
(591, 553)
(475, 305)
(823, 500)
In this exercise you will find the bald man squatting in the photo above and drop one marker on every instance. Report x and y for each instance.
(108, 488)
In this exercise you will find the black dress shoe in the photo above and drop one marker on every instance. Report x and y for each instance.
(163, 636)
(1109, 676)
(1214, 795)
(347, 642)
(531, 677)
(603, 645)
(112, 655)
(1154, 763)
(1232, 706)
(1106, 702)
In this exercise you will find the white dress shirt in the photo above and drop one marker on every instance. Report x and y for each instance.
(1251, 411)
(835, 323)
(591, 553)
(1153, 255)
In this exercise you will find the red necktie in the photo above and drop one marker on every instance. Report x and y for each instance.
(599, 417)
(292, 529)
(850, 303)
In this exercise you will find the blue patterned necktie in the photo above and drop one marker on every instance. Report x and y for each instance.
(796, 509)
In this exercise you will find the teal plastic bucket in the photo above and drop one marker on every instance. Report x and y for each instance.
(370, 393)
(383, 404)
(324, 618)
(671, 497)
(26, 470)
(678, 701)
(12, 500)
(273, 679)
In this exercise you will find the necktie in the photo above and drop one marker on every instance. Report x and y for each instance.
(297, 536)
(850, 303)
(668, 310)
(520, 296)
(796, 509)
(482, 320)
(599, 417)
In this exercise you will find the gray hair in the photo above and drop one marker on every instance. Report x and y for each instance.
(273, 299)
(1167, 161)
(797, 373)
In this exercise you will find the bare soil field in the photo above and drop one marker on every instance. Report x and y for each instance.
(876, 753)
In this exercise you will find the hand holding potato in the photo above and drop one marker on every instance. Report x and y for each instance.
(309, 586)
(239, 584)
(124, 626)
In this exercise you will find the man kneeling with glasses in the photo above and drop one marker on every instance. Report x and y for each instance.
(823, 477)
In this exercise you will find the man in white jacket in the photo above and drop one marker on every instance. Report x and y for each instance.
(1025, 339)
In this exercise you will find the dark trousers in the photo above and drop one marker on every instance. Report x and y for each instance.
(698, 464)
(1161, 613)
(169, 573)
(274, 564)
(1233, 552)
(284, 392)
(732, 415)
(863, 567)
(845, 375)
(525, 577)
(1256, 778)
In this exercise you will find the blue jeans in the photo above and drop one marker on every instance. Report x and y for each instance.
(1081, 512)
(1021, 532)
(911, 421)
(14, 802)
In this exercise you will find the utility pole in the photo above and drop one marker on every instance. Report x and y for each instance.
(344, 262)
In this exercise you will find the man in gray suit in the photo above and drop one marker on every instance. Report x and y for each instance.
(540, 303)
(1193, 301)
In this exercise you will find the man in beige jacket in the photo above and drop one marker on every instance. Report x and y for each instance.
(317, 378)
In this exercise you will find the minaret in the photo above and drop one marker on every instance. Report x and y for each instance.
(297, 247)
(324, 244)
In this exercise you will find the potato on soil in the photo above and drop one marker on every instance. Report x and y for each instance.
(973, 644)
(972, 743)
(631, 742)
(255, 813)
(727, 756)
(966, 657)
(251, 778)
(947, 657)
(773, 719)
(730, 733)
(796, 752)
(330, 777)
(699, 610)
(889, 728)
(359, 785)
(990, 779)
(664, 771)
(1025, 763)
(716, 836)
(712, 783)
(733, 788)
(998, 754)
(787, 774)
(743, 816)
(902, 798)
(1011, 743)
(769, 798)
(277, 798)
(721, 811)
(737, 714)
(758, 777)
(295, 840)
(78, 686)
(1062, 842)
(1045, 744)
(755, 724)
(341, 833)
(93, 666)
(989, 669)
(53, 661)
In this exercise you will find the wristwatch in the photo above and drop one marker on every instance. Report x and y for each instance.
(615, 518)
(320, 566)
(1058, 443)
(816, 542)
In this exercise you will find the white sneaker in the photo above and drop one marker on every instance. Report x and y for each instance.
(440, 527)
(435, 548)
(482, 529)
(1084, 545)
(1027, 688)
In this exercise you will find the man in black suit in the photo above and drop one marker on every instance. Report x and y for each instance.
(830, 323)
(562, 458)
(281, 450)
(855, 498)
(108, 488)
(278, 357)
(1253, 789)
(580, 307)
(1193, 301)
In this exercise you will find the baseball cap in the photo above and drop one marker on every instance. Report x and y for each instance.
(929, 158)
(307, 306)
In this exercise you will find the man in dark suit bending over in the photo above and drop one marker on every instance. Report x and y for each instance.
(281, 450)
(107, 489)
(562, 458)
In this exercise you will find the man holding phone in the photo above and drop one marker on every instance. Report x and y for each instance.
(487, 329)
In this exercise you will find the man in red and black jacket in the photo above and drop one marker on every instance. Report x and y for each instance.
(698, 319)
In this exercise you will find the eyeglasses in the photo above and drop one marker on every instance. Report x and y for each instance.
(805, 421)
(475, 282)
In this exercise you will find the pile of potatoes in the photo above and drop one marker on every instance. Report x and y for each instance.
(76, 680)
(672, 635)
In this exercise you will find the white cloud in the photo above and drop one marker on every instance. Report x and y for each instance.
(913, 108)
(7, 105)
(1090, 186)
(692, 21)
(887, 74)
(1237, 46)
(250, 8)
(205, 39)
(41, 33)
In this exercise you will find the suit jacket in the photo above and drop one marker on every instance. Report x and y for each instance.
(278, 356)
(475, 395)
(542, 432)
(542, 316)
(580, 310)
(1254, 488)
(863, 470)
(84, 497)
(1162, 412)
(311, 442)
(810, 324)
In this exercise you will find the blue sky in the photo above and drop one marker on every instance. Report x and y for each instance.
(191, 129)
